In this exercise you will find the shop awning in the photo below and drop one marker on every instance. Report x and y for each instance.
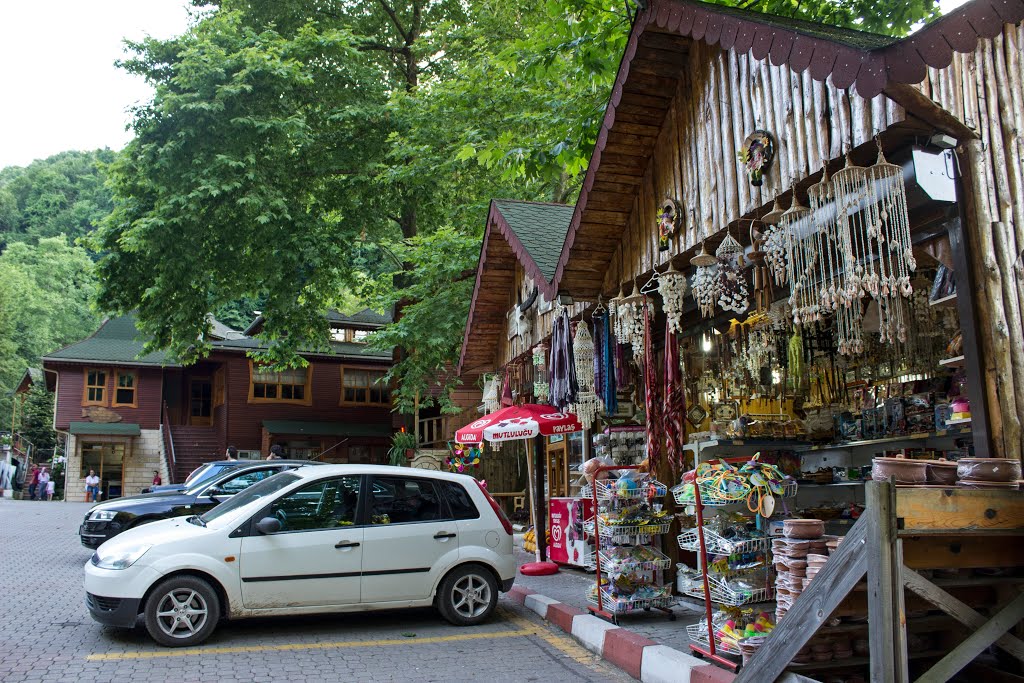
(326, 428)
(106, 428)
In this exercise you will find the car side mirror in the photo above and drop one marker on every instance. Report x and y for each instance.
(268, 525)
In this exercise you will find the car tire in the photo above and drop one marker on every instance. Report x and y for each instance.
(468, 595)
(182, 611)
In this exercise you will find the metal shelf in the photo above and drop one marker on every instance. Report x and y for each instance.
(917, 436)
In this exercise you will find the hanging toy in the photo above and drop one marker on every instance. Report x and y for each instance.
(462, 457)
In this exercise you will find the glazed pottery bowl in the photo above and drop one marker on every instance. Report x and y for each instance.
(902, 470)
(803, 528)
(988, 469)
(941, 472)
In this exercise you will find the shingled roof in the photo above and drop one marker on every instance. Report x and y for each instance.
(117, 341)
(530, 233)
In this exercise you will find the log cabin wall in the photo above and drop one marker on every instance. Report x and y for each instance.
(721, 98)
(984, 90)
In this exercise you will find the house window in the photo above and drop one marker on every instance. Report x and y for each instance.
(285, 386)
(95, 393)
(124, 389)
(362, 386)
(359, 336)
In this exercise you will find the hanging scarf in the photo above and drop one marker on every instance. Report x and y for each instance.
(651, 402)
(675, 402)
(604, 363)
(563, 365)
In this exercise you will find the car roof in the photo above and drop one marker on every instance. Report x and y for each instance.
(382, 470)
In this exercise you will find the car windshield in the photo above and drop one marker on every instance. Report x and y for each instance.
(199, 474)
(254, 492)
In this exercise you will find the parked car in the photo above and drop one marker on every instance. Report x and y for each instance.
(336, 538)
(106, 520)
(200, 474)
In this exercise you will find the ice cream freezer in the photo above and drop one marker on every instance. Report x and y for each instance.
(569, 544)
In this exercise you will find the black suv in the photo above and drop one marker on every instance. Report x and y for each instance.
(199, 475)
(106, 520)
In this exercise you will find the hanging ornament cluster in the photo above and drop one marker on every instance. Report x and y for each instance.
(540, 373)
(733, 294)
(587, 405)
(704, 285)
(491, 400)
(461, 457)
(852, 242)
(629, 320)
(672, 288)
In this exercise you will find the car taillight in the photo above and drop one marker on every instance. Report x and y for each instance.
(497, 508)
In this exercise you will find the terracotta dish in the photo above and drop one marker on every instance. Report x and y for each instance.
(988, 469)
(941, 472)
(803, 528)
(904, 471)
(969, 484)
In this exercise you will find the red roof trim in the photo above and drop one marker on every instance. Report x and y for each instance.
(902, 62)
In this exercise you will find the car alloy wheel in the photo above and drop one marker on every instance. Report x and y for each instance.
(182, 611)
(471, 596)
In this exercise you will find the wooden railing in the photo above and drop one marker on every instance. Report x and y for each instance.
(432, 432)
(165, 430)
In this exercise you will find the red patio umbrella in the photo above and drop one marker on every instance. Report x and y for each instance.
(528, 421)
(519, 422)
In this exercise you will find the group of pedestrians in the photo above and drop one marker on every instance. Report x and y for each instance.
(41, 486)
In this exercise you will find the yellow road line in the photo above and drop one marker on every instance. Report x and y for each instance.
(563, 643)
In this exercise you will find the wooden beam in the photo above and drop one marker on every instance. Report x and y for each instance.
(961, 552)
(815, 606)
(923, 107)
(958, 511)
(957, 609)
(976, 643)
(887, 637)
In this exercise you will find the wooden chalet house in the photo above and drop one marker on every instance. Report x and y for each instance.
(126, 415)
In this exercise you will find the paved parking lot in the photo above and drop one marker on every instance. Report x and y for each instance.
(46, 634)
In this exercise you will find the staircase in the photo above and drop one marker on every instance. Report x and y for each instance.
(194, 446)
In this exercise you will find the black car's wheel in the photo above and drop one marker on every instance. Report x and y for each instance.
(467, 596)
(182, 611)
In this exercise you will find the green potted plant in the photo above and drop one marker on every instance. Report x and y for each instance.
(403, 447)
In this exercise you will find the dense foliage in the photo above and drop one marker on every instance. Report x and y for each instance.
(297, 152)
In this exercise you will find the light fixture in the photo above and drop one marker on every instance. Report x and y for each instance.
(942, 141)
(564, 299)
(705, 343)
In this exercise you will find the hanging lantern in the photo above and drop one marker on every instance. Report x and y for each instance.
(703, 258)
(672, 288)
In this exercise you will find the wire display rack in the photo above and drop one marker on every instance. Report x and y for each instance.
(610, 490)
(613, 566)
(631, 534)
(723, 594)
(717, 545)
(626, 604)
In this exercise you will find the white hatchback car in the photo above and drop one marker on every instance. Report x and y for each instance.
(336, 538)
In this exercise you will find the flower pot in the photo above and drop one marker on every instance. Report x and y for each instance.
(410, 453)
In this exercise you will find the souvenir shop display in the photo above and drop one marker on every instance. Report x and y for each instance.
(587, 405)
(798, 555)
(629, 519)
(621, 445)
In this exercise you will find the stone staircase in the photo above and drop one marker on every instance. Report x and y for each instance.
(194, 446)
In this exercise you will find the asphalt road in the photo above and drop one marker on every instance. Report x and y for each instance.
(46, 633)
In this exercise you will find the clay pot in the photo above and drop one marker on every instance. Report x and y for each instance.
(988, 469)
(803, 528)
(941, 472)
(904, 471)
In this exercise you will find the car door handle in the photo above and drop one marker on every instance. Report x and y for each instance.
(346, 544)
(443, 534)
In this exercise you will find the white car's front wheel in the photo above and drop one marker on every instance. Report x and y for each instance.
(468, 595)
(182, 611)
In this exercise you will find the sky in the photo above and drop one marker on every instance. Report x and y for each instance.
(59, 88)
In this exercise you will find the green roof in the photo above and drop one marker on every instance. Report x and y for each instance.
(541, 229)
(292, 427)
(367, 316)
(117, 341)
(106, 428)
(340, 349)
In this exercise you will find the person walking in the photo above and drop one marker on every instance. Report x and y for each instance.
(51, 488)
(44, 479)
(33, 482)
(92, 487)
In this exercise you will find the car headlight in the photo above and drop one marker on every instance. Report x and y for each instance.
(102, 515)
(119, 558)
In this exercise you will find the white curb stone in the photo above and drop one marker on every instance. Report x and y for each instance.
(662, 664)
(539, 604)
(590, 631)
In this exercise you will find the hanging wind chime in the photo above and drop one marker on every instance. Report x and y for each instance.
(704, 285)
(587, 405)
(733, 294)
(540, 372)
(672, 288)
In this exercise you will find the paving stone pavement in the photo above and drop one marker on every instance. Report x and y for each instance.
(571, 586)
(46, 633)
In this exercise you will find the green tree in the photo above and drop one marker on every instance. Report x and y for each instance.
(46, 300)
(37, 419)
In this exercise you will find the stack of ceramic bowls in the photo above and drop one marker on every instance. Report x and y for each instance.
(988, 473)
(802, 539)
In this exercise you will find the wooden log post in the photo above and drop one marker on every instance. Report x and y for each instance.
(887, 636)
(540, 514)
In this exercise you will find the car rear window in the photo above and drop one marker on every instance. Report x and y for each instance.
(459, 502)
